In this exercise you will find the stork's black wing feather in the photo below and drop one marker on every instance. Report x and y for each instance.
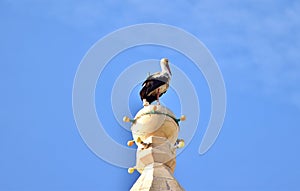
(153, 82)
(156, 77)
(148, 87)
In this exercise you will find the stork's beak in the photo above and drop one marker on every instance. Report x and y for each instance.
(165, 61)
(169, 69)
(167, 65)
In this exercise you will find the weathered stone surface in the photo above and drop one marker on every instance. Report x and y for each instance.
(169, 161)
(156, 177)
(160, 125)
(155, 135)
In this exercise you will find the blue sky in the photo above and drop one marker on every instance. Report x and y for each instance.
(255, 43)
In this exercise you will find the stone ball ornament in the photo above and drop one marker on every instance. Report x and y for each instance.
(155, 121)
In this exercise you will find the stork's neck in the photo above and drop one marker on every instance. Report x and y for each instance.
(165, 70)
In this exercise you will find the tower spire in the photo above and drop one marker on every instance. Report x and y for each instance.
(155, 131)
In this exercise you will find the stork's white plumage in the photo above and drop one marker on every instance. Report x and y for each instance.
(156, 84)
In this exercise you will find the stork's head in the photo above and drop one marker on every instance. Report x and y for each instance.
(164, 63)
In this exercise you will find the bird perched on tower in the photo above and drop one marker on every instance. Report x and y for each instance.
(156, 84)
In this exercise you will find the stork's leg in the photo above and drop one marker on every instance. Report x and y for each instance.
(157, 97)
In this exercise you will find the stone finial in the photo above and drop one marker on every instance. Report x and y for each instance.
(155, 131)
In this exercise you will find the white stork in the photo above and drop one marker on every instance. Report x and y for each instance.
(156, 84)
